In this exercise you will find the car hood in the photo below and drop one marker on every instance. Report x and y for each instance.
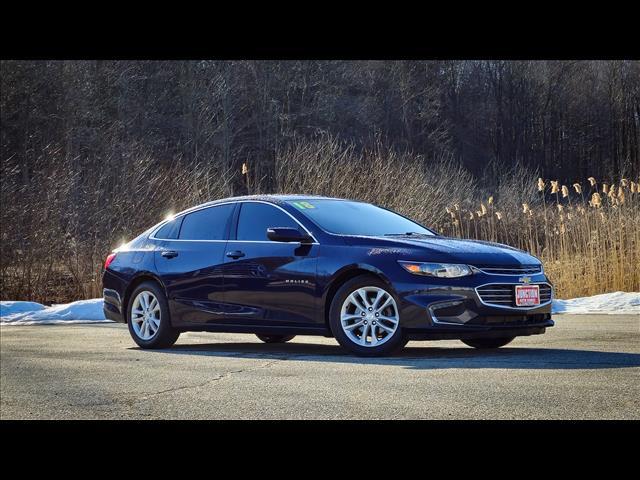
(452, 250)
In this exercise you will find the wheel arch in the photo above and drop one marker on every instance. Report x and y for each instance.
(341, 277)
(133, 284)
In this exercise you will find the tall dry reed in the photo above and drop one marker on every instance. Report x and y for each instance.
(56, 233)
(588, 240)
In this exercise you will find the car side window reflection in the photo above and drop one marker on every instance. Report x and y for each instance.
(170, 229)
(255, 218)
(206, 224)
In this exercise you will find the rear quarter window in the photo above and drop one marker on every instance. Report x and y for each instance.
(169, 230)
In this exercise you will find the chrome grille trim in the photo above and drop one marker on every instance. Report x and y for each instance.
(502, 295)
(525, 270)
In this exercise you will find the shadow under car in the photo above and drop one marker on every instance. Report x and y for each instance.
(421, 357)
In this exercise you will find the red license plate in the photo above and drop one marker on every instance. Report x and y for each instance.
(527, 295)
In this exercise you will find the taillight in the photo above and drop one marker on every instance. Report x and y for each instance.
(109, 259)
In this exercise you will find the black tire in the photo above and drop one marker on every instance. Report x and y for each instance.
(275, 338)
(486, 343)
(166, 335)
(394, 343)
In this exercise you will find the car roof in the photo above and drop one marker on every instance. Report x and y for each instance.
(275, 199)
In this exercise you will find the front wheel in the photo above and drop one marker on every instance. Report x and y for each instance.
(365, 318)
(149, 323)
(484, 343)
(274, 338)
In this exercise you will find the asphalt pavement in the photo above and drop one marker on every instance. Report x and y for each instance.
(586, 367)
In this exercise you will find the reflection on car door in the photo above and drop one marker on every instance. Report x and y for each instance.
(190, 266)
(267, 281)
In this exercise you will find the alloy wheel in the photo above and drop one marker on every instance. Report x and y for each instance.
(145, 315)
(369, 316)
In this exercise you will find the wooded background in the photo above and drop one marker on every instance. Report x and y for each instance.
(94, 152)
(566, 118)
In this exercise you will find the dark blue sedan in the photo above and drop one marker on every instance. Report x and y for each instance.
(284, 265)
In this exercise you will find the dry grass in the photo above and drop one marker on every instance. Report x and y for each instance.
(400, 181)
(56, 234)
(588, 240)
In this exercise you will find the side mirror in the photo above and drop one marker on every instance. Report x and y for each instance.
(286, 234)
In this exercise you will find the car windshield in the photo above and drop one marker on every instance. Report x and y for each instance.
(345, 217)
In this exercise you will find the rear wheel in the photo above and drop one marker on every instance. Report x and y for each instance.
(148, 315)
(365, 318)
(483, 343)
(274, 338)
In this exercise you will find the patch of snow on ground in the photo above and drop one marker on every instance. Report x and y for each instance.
(607, 303)
(90, 311)
(11, 308)
(31, 313)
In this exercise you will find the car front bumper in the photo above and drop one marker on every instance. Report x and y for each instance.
(464, 309)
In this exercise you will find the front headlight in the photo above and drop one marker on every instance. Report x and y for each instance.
(443, 270)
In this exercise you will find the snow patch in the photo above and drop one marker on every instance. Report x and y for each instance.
(11, 308)
(90, 311)
(608, 303)
(31, 313)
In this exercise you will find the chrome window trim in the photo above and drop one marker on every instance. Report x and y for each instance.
(153, 237)
(494, 305)
(268, 241)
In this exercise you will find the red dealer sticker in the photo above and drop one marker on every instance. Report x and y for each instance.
(527, 295)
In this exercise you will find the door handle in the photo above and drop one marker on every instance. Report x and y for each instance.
(169, 253)
(235, 254)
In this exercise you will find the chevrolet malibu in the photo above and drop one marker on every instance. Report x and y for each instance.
(284, 265)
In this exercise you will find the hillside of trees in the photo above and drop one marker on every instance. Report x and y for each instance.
(565, 118)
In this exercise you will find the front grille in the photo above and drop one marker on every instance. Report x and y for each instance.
(503, 295)
(510, 320)
(545, 293)
(516, 270)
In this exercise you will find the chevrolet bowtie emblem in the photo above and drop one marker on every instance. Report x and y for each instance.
(525, 279)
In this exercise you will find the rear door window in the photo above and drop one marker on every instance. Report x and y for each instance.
(207, 224)
(255, 218)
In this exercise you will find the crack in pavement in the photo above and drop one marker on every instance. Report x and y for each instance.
(222, 376)
(133, 399)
